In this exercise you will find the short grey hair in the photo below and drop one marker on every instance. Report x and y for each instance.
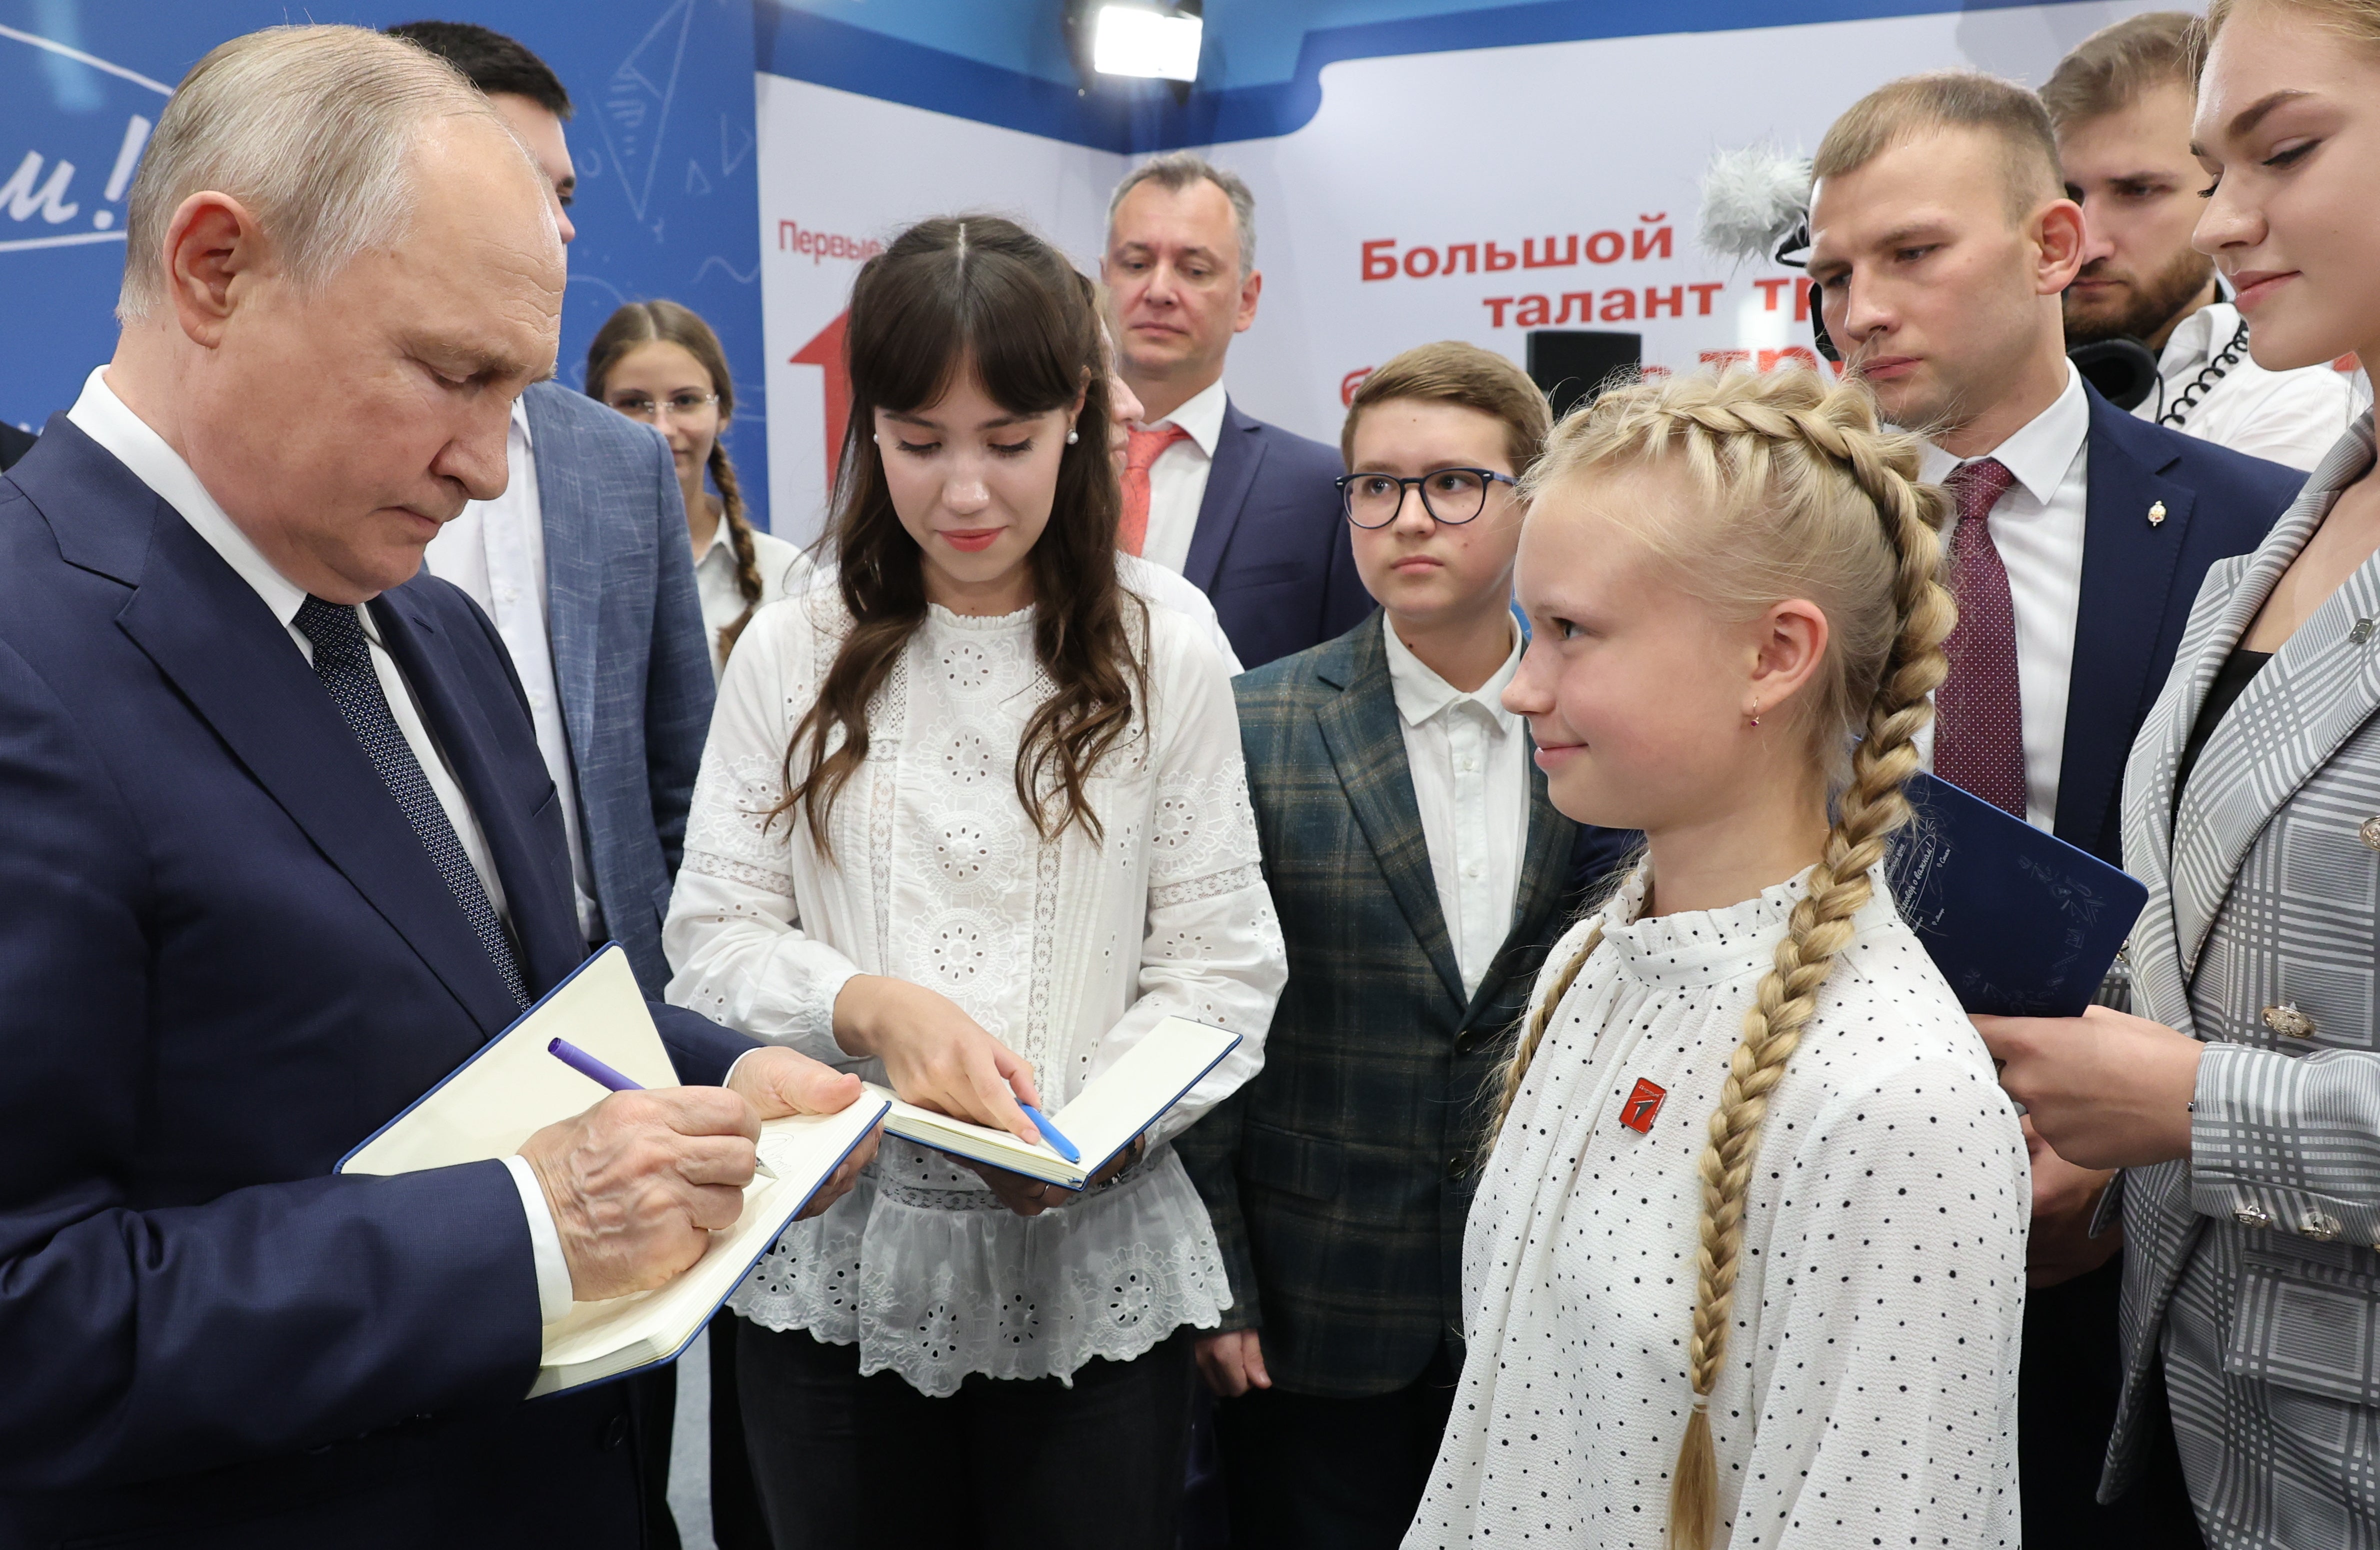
(1177, 170)
(314, 129)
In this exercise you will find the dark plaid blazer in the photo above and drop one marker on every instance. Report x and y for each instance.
(1339, 1176)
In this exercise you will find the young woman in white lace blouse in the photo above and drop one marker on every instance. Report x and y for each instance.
(972, 820)
(1746, 1267)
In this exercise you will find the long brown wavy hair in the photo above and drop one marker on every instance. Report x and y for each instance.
(642, 322)
(982, 295)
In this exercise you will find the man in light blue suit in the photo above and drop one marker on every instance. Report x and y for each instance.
(584, 565)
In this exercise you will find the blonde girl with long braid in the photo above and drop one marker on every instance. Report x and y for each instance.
(1746, 1266)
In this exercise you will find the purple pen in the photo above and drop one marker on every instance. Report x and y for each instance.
(587, 1066)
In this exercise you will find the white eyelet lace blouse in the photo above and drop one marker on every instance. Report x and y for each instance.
(1869, 1392)
(1066, 951)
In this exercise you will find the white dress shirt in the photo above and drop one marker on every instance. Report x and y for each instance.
(2290, 417)
(783, 569)
(496, 551)
(1470, 767)
(2037, 527)
(103, 416)
(1177, 480)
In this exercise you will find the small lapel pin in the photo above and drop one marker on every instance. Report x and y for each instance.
(1644, 1102)
(2156, 514)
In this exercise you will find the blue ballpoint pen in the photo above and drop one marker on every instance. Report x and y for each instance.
(1050, 1134)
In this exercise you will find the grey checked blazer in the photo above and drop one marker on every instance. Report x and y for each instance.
(2252, 1262)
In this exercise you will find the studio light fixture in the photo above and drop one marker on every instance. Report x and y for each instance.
(1139, 41)
(1145, 39)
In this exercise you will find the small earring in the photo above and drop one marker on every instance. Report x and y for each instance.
(1756, 715)
(1072, 436)
(878, 440)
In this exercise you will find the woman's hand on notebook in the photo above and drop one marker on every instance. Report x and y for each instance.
(935, 1055)
(776, 1081)
(2107, 1089)
(1025, 1196)
(1029, 1196)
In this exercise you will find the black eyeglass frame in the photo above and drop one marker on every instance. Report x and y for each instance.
(1486, 476)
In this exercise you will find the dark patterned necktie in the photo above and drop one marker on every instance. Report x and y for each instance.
(343, 661)
(1979, 710)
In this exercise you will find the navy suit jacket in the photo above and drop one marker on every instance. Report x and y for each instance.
(1270, 550)
(225, 960)
(14, 444)
(631, 659)
(2139, 579)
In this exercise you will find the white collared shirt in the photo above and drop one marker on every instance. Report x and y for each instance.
(1469, 759)
(783, 568)
(2290, 417)
(496, 551)
(2037, 526)
(105, 419)
(1177, 480)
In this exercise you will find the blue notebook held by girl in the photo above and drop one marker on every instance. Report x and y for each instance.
(2020, 923)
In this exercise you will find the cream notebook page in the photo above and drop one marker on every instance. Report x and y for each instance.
(514, 1088)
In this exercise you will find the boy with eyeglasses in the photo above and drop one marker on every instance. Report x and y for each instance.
(1419, 871)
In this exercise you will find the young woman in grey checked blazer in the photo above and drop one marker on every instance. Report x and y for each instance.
(2245, 1103)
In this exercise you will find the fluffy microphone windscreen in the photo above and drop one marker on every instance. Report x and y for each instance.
(1752, 199)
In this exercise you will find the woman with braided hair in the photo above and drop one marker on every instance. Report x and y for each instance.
(659, 362)
(1746, 1266)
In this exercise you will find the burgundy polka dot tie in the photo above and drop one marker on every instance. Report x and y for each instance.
(1979, 712)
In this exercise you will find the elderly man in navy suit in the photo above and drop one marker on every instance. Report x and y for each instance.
(1249, 512)
(1941, 242)
(278, 851)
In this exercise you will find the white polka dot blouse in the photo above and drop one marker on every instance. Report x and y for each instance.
(1869, 1392)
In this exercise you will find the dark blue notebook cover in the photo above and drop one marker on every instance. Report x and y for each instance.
(2020, 923)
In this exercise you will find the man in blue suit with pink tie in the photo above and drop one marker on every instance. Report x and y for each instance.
(278, 851)
(1247, 512)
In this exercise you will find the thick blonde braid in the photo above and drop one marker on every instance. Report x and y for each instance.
(1870, 807)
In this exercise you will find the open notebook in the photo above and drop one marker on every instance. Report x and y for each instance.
(513, 1088)
(1113, 1107)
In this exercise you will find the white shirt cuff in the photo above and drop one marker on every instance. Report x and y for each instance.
(544, 1242)
(739, 1060)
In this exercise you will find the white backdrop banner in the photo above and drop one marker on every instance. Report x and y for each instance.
(1477, 195)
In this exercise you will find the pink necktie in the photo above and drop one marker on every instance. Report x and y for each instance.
(1139, 457)
(1979, 712)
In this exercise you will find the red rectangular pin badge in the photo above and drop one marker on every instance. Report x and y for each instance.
(1643, 1103)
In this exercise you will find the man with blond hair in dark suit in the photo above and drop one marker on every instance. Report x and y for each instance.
(1942, 243)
